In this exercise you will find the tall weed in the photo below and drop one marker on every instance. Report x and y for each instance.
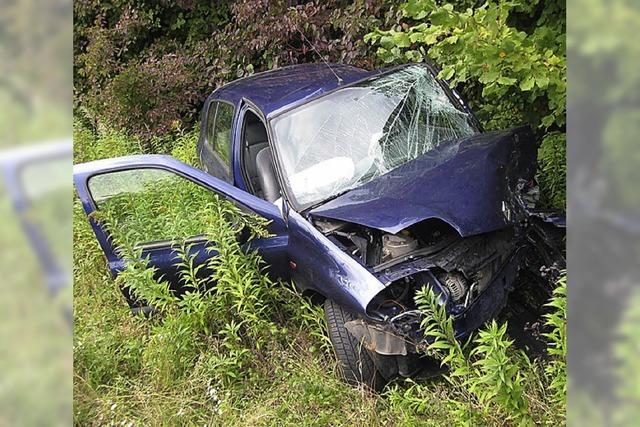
(492, 382)
(234, 303)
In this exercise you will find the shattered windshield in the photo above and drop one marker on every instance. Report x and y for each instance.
(357, 133)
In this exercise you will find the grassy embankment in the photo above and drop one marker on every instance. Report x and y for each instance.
(252, 352)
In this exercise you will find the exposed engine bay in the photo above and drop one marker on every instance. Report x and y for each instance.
(472, 276)
(463, 266)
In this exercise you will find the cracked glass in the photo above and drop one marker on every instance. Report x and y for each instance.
(358, 133)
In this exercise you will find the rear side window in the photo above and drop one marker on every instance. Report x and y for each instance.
(219, 122)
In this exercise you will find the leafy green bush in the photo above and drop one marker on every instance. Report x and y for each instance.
(165, 207)
(507, 56)
(556, 368)
(552, 173)
(235, 302)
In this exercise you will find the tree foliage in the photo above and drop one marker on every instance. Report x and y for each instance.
(146, 67)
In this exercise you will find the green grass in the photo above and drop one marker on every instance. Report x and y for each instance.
(126, 372)
(159, 206)
(246, 352)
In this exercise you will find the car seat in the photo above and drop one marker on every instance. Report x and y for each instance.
(266, 175)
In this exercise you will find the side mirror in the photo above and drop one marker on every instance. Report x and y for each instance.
(283, 207)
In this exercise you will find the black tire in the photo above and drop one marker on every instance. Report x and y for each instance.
(356, 362)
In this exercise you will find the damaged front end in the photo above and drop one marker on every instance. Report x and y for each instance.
(472, 277)
(472, 255)
(399, 189)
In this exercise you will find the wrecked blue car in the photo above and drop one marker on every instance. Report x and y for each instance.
(375, 183)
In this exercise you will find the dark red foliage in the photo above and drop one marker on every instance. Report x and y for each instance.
(148, 68)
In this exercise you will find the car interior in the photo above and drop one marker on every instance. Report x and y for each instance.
(258, 161)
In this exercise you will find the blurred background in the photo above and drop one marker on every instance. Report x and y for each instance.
(604, 212)
(36, 365)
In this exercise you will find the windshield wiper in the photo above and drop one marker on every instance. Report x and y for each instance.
(328, 199)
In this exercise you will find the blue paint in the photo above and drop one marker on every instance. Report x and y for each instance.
(325, 269)
(463, 183)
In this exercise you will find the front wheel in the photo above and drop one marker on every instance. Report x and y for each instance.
(356, 362)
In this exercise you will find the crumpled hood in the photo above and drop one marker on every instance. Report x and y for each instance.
(463, 183)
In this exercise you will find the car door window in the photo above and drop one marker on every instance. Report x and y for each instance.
(219, 124)
(150, 205)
